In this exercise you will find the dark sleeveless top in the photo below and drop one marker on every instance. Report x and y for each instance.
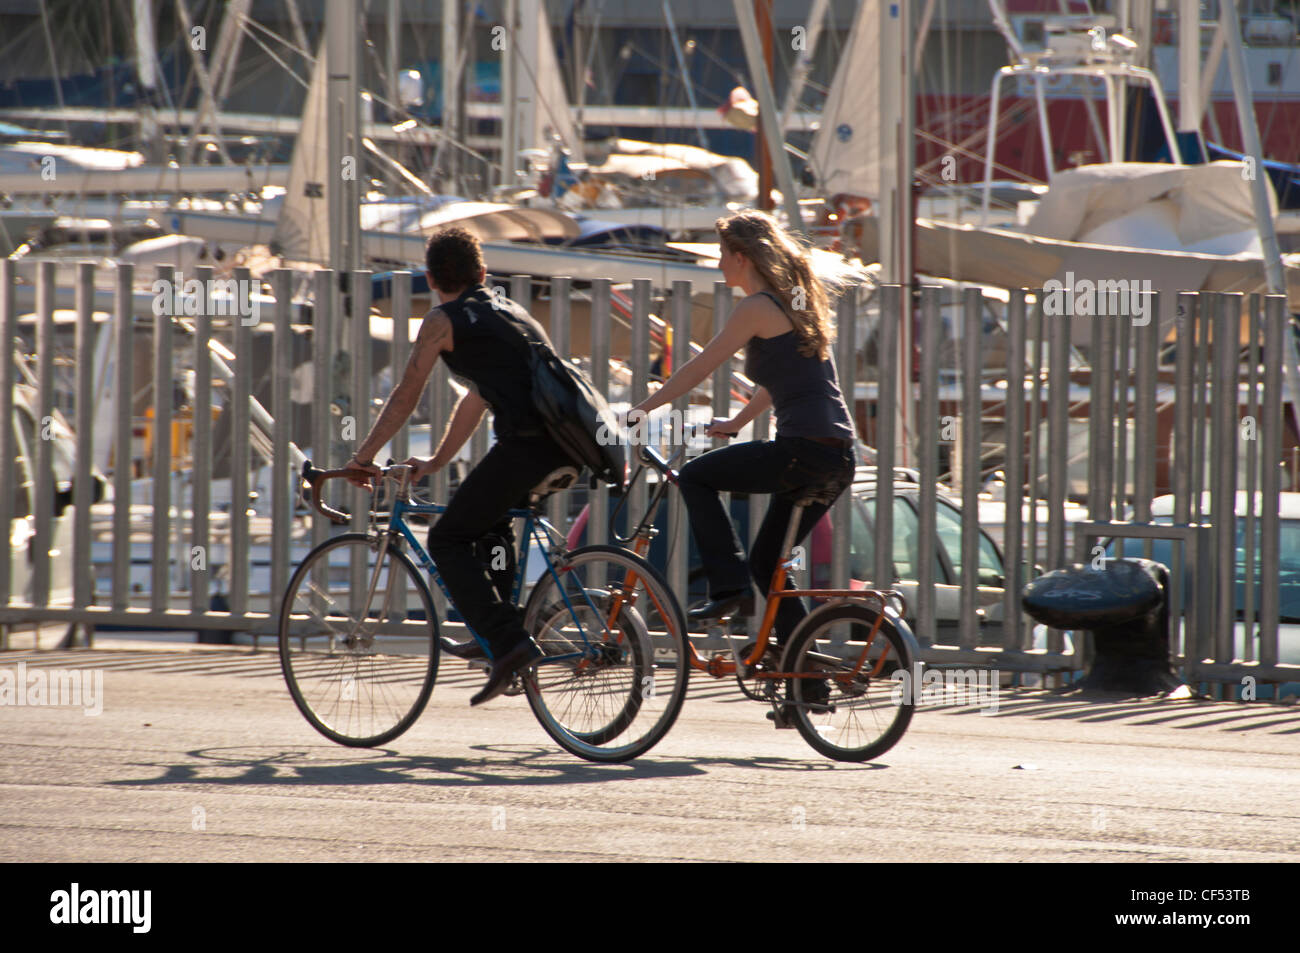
(490, 340)
(806, 397)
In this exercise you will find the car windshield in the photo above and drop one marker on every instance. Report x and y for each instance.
(1287, 569)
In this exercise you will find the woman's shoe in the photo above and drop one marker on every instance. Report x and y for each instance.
(736, 604)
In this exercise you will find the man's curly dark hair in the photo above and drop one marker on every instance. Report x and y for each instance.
(454, 259)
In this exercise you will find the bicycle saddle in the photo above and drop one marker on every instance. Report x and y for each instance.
(827, 493)
(559, 479)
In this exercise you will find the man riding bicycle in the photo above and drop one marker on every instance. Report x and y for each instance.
(484, 340)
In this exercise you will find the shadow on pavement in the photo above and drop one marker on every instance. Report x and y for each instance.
(1277, 718)
(501, 766)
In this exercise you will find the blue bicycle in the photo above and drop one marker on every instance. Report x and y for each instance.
(359, 634)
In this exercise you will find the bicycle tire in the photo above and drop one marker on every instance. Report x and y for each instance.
(360, 676)
(623, 677)
(836, 641)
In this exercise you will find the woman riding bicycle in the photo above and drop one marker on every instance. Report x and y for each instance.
(784, 326)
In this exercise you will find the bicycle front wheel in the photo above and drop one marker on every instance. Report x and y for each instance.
(842, 696)
(614, 674)
(358, 640)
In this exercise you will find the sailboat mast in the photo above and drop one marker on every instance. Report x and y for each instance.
(343, 118)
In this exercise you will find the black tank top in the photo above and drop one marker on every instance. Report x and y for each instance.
(490, 341)
(806, 397)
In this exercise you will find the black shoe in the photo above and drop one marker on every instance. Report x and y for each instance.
(816, 701)
(783, 718)
(739, 604)
(816, 696)
(470, 651)
(520, 657)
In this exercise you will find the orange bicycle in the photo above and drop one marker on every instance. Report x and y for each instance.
(844, 678)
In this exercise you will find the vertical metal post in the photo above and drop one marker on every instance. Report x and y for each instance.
(1034, 481)
(1058, 451)
(322, 412)
(557, 507)
(1013, 492)
(83, 579)
(1201, 402)
(451, 73)
(1252, 481)
(8, 438)
(891, 310)
(927, 430)
(721, 382)
(509, 84)
(846, 359)
(972, 407)
(124, 395)
(43, 492)
(401, 352)
(1183, 457)
(201, 481)
(160, 554)
(282, 418)
(598, 515)
(359, 282)
(240, 462)
(1224, 451)
(679, 531)
(1145, 438)
(1120, 422)
(639, 358)
(1058, 442)
(1276, 325)
(439, 394)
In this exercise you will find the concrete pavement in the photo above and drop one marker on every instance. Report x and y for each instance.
(201, 756)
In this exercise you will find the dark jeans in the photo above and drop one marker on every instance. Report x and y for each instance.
(463, 543)
(785, 467)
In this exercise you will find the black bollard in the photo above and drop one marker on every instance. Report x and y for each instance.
(1125, 605)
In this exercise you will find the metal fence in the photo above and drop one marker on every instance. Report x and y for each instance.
(194, 551)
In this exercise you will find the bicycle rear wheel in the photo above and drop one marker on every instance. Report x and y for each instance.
(843, 698)
(358, 640)
(615, 670)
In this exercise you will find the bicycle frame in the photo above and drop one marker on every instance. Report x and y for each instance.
(536, 530)
(721, 666)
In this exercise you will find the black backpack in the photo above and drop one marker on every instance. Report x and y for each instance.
(576, 415)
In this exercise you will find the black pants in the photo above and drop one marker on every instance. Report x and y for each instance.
(785, 467)
(473, 542)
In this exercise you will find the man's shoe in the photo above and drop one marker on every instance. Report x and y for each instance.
(470, 651)
(520, 657)
(817, 695)
(741, 604)
(782, 717)
(816, 701)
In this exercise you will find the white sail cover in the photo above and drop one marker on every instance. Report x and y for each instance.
(302, 230)
(543, 103)
(845, 152)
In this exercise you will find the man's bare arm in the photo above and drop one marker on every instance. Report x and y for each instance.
(464, 421)
(434, 338)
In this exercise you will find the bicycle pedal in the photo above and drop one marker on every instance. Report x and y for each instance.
(778, 718)
(516, 686)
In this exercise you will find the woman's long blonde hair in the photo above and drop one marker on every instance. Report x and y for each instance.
(786, 265)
